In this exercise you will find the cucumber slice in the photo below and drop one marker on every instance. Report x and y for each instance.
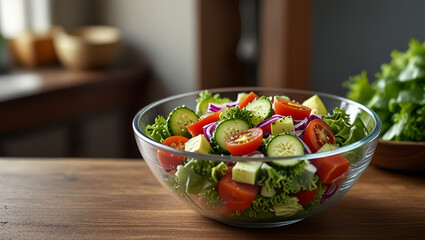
(283, 96)
(261, 108)
(226, 128)
(179, 119)
(284, 145)
(202, 107)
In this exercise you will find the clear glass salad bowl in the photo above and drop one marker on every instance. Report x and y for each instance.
(360, 154)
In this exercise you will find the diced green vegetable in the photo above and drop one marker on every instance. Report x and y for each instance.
(283, 125)
(246, 172)
(316, 104)
(198, 144)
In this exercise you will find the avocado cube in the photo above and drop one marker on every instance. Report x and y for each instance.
(283, 125)
(246, 172)
(316, 104)
(198, 144)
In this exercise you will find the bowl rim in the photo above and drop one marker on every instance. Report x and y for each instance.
(71, 34)
(402, 143)
(228, 158)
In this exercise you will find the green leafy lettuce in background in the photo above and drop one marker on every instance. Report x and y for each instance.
(397, 95)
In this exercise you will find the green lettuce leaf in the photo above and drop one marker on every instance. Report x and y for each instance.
(237, 113)
(287, 180)
(213, 170)
(345, 132)
(191, 181)
(397, 95)
(158, 131)
(360, 89)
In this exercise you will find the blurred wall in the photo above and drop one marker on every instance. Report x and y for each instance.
(352, 36)
(74, 13)
(158, 33)
(348, 36)
(164, 33)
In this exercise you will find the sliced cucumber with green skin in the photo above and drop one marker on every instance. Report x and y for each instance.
(202, 107)
(284, 145)
(283, 96)
(225, 129)
(261, 108)
(179, 119)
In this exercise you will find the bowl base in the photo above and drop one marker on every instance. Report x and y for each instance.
(259, 225)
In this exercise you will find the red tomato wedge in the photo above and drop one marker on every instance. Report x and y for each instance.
(306, 196)
(267, 128)
(317, 133)
(196, 128)
(238, 196)
(225, 211)
(251, 96)
(331, 168)
(286, 107)
(168, 160)
(244, 142)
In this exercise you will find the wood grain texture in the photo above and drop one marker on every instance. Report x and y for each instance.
(219, 30)
(120, 199)
(285, 32)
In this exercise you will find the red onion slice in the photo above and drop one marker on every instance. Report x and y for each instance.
(301, 124)
(209, 130)
(305, 145)
(212, 107)
(215, 107)
(268, 121)
(255, 153)
(232, 104)
(314, 116)
(327, 194)
(298, 133)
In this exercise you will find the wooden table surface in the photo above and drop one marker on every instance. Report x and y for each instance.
(120, 199)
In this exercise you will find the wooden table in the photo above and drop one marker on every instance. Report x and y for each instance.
(120, 199)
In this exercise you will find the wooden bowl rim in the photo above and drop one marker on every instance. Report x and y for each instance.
(402, 143)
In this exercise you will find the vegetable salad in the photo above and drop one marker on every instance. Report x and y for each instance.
(260, 126)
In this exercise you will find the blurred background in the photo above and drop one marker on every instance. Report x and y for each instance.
(69, 93)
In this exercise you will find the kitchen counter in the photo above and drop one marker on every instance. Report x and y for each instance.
(50, 198)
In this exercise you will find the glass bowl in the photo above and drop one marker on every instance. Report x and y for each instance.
(363, 152)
